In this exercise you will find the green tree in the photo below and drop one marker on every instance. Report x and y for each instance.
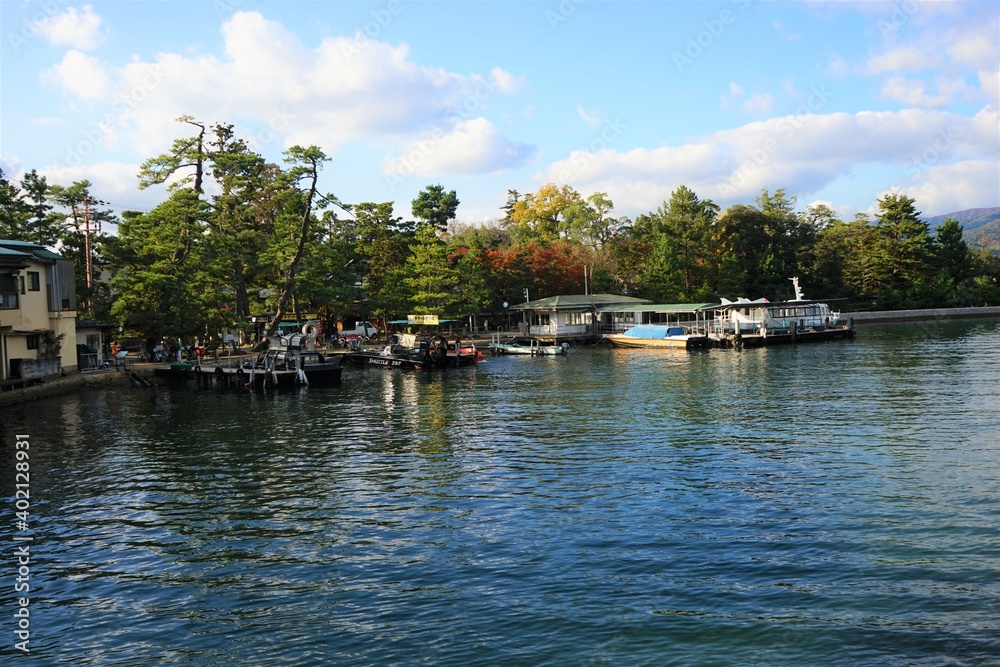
(903, 252)
(986, 278)
(14, 211)
(185, 152)
(688, 221)
(381, 250)
(429, 274)
(745, 253)
(954, 263)
(625, 260)
(242, 226)
(475, 293)
(542, 215)
(589, 222)
(862, 272)
(436, 207)
(821, 261)
(952, 251)
(46, 226)
(82, 240)
(661, 277)
(163, 277)
(306, 163)
(26, 212)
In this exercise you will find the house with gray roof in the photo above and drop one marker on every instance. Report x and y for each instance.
(37, 311)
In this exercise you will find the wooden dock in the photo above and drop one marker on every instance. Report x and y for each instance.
(245, 378)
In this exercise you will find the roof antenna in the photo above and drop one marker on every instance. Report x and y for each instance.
(798, 290)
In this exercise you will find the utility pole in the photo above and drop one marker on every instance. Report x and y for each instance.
(88, 259)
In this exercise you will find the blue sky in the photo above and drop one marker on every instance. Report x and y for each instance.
(836, 102)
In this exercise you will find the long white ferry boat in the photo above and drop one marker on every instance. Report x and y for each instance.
(762, 322)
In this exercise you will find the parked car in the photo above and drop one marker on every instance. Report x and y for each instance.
(363, 330)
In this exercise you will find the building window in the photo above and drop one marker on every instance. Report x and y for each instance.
(34, 284)
(32, 341)
(8, 292)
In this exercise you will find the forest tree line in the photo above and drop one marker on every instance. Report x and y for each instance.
(266, 241)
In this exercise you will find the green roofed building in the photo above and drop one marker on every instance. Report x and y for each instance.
(570, 317)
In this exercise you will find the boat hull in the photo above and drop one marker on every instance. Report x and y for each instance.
(383, 360)
(787, 337)
(544, 350)
(685, 342)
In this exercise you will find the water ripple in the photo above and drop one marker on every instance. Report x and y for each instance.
(827, 504)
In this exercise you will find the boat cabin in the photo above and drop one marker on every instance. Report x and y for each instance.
(690, 316)
(762, 316)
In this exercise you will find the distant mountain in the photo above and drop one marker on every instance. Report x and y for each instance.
(987, 236)
(981, 226)
(971, 218)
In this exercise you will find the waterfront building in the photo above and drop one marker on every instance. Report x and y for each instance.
(37, 311)
(569, 317)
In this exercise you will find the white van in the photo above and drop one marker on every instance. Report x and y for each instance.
(363, 330)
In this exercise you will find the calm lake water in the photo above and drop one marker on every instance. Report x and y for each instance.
(834, 503)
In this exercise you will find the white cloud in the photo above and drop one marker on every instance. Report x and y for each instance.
(956, 187)
(79, 74)
(951, 53)
(593, 121)
(506, 82)
(976, 47)
(989, 83)
(734, 93)
(270, 84)
(837, 66)
(918, 93)
(904, 59)
(758, 104)
(802, 153)
(115, 181)
(77, 29)
(470, 147)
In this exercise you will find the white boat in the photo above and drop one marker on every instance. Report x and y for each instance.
(658, 335)
(534, 348)
(763, 322)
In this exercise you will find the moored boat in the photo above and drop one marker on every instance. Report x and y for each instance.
(658, 336)
(408, 353)
(298, 353)
(745, 323)
(287, 361)
(533, 348)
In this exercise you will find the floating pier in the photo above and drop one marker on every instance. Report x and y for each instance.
(239, 377)
(784, 337)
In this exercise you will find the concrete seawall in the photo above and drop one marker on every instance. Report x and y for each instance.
(926, 315)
